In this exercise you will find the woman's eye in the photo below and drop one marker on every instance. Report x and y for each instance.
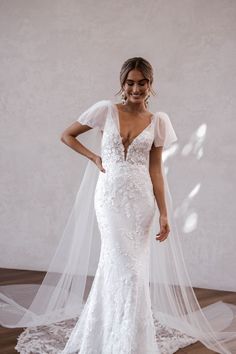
(140, 84)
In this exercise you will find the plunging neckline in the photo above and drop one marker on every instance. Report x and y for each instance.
(118, 130)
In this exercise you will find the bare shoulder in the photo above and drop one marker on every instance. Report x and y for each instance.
(119, 106)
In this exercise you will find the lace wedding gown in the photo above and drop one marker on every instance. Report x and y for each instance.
(118, 316)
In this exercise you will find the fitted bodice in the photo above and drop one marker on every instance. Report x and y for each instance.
(113, 150)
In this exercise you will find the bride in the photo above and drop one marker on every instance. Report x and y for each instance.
(141, 299)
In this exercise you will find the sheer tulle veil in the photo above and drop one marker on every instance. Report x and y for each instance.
(62, 293)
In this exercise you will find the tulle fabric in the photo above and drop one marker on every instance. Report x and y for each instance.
(62, 293)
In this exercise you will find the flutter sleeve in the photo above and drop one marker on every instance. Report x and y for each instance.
(95, 115)
(164, 134)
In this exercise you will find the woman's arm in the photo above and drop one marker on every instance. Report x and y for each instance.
(68, 137)
(155, 171)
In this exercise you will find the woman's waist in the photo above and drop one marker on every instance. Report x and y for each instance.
(121, 182)
(122, 173)
(125, 167)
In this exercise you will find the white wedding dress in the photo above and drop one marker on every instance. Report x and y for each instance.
(118, 316)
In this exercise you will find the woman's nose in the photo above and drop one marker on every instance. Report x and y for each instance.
(136, 88)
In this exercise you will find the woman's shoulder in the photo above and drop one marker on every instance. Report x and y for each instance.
(103, 102)
(162, 116)
(99, 106)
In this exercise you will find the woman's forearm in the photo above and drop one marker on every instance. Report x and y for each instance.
(159, 191)
(74, 144)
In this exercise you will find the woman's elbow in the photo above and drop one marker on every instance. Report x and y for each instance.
(64, 137)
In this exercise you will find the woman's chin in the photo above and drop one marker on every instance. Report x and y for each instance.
(136, 99)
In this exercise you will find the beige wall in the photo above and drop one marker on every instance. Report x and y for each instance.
(59, 57)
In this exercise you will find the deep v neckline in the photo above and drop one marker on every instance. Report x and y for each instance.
(117, 124)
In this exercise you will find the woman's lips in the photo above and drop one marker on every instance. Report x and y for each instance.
(135, 96)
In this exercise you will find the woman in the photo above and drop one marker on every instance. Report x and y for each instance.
(141, 300)
(124, 204)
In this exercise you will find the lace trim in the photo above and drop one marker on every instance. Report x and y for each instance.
(52, 339)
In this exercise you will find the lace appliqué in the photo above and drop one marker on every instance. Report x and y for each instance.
(113, 150)
(169, 339)
(52, 339)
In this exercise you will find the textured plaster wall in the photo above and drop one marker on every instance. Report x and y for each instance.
(59, 57)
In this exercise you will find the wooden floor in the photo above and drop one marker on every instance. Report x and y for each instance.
(8, 336)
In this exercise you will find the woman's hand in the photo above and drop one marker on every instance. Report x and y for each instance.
(164, 229)
(98, 162)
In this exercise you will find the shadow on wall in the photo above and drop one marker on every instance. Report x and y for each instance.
(194, 146)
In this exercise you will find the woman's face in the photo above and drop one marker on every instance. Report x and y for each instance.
(136, 87)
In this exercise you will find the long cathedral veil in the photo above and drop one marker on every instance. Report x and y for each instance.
(62, 294)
